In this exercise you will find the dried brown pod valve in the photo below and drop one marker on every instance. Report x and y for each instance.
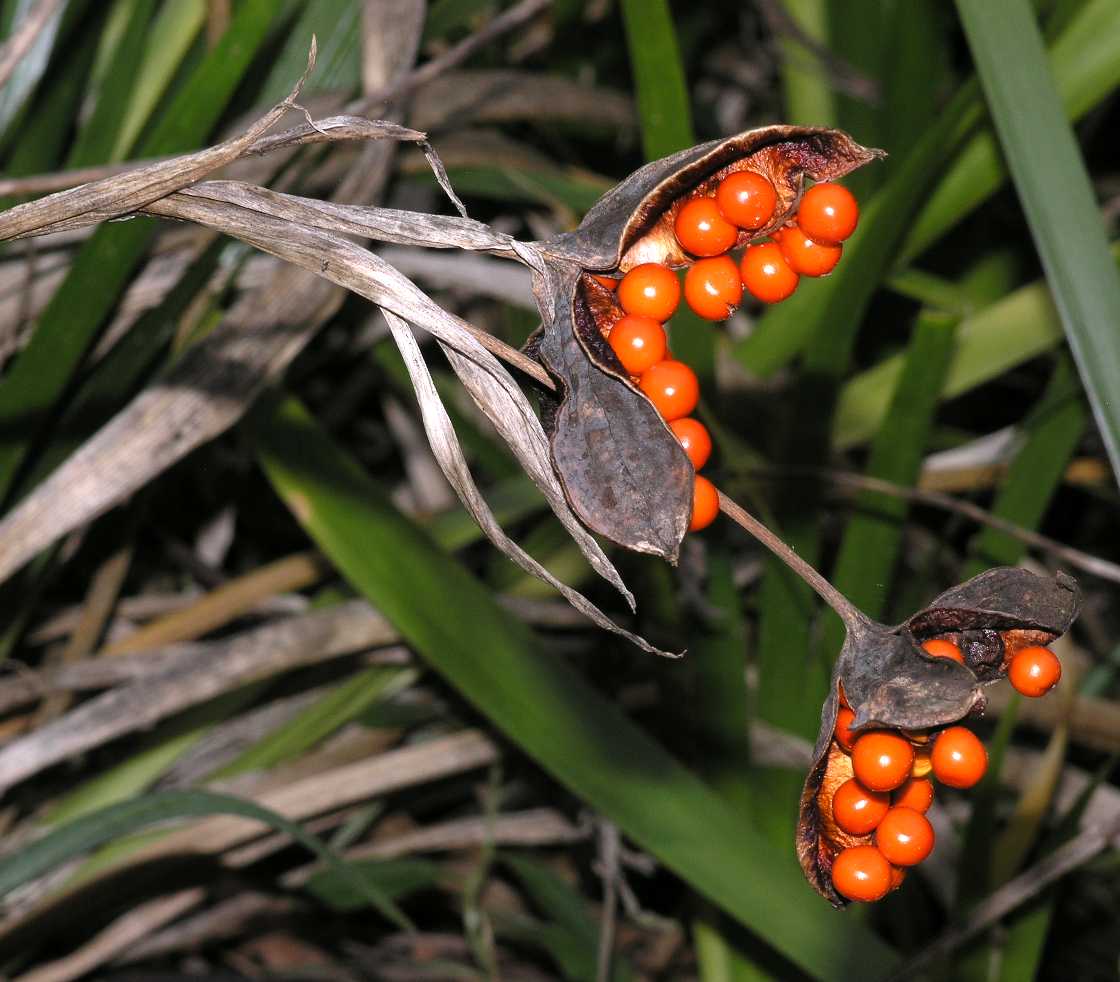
(622, 470)
(890, 682)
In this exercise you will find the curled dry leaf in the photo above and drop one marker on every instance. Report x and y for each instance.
(623, 471)
(890, 682)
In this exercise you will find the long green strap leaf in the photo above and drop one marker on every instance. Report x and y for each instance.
(575, 733)
(1056, 194)
(873, 535)
(70, 321)
(655, 59)
(93, 830)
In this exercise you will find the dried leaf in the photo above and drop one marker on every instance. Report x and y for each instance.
(445, 446)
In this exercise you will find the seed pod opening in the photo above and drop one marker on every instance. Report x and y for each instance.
(891, 683)
(622, 470)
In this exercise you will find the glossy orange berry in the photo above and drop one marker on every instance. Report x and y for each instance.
(639, 343)
(861, 873)
(882, 760)
(959, 758)
(828, 213)
(940, 648)
(806, 256)
(844, 736)
(904, 836)
(693, 436)
(712, 288)
(766, 273)
(916, 793)
(650, 290)
(1034, 671)
(705, 504)
(746, 199)
(898, 874)
(607, 282)
(672, 387)
(856, 810)
(702, 230)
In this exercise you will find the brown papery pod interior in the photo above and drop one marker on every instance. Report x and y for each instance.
(891, 683)
(622, 469)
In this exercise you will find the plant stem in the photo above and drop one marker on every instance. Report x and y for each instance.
(845, 609)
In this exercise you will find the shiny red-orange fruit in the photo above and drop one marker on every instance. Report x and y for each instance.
(806, 256)
(766, 273)
(705, 504)
(746, 199)
(672, 387)
(828, 213)
(940, 648)
(959, 758)
(861, 873)
(904, 836)
(1034, 671)
(844, 736)
(650, 290)
(702, 230)
(712, 288)
(693, 437)
(856, 810)
(639, 342)
(607, 282)
(882, 760)
(916, 793)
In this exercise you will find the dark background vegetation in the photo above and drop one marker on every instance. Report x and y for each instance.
(500, 786)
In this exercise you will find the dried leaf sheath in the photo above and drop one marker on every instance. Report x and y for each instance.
(624, 473)
(890, 682)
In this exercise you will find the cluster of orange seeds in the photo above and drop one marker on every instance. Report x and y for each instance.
(890, 792)
(650, 294)
(708, 227)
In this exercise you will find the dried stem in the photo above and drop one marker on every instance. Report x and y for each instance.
(845, 609)
(1084, 561)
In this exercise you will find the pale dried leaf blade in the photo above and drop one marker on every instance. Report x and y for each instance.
(383, 224)
(336, 258)
(125, 193)
(445, 446)
(193, 674)
(128, 452)
(441, 176)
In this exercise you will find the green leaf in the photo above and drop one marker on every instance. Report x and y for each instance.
(98, 135)
(338, 707)
(68, 325)
(873, 534)
(337, 29)
(347, 889)
(88, 832)
(806, 91)
(1085, 59)
(1053, 431)
(1021, 326)
(655, 60)
(172, 34)
(1043, 157)
(577, 735)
